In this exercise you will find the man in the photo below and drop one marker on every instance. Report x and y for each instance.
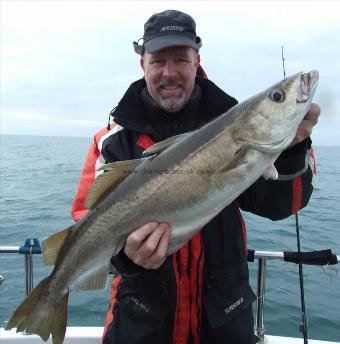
(201, 293)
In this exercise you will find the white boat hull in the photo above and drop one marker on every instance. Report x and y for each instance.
(93, 335)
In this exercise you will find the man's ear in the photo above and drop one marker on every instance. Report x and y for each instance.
(197, 60)
(142, 63)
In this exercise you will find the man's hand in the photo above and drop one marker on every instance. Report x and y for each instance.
(147, 245)
(307, 124)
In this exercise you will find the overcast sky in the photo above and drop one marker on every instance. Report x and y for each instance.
(66, 64)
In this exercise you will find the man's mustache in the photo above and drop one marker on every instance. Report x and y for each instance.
(170, 83)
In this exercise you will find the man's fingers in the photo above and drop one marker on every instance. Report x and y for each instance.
(149, 246)
(313, 112)
(159, 255)
(312, 115)
(305, 130)
(306, 126)
(312, 118)
(135, 240)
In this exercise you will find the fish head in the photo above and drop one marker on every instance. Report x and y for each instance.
(270, 120)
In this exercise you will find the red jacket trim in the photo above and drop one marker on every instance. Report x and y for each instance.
(297, 195)
(88, 174)
(145, 141)
(244, 229)
(109, 314)
(196, 276)
(182, 314)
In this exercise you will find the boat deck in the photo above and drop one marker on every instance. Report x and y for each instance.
(92, 335)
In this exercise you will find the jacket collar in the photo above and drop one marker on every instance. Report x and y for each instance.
(130, 112)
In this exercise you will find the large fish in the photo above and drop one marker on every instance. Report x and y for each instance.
(184, 181)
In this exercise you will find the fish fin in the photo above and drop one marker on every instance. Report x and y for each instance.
(130, 164)
(52, 245)
(107, 182)
(163, 145)
(33, 316)
(270, 173)
(113, 269)
(238, 159)
(93, 281)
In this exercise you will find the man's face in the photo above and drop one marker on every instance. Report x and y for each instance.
(170, 76)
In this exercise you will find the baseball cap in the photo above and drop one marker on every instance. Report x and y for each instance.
(166, 29)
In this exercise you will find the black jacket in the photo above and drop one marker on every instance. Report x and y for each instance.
(204, 286)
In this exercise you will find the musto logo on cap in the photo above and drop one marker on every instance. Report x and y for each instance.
(172, 28)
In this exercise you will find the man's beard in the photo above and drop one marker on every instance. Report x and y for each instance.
(173, 104)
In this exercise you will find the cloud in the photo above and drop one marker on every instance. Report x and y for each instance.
(26, 123)
(72, 61)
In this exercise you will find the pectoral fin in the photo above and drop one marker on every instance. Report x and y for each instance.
(238, 159)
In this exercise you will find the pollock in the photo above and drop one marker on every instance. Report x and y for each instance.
(185, 181)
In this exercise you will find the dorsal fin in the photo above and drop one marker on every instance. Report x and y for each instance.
(52, 245)
(163, 145)
(107, 182)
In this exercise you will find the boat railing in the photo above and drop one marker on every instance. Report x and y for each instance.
(324, 257)
(30, 247)
(320, 258)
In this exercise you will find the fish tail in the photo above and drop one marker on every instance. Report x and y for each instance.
(35, 316)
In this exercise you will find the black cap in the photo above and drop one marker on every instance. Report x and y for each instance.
(166, 29)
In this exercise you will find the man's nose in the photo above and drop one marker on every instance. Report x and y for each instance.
(169, 69)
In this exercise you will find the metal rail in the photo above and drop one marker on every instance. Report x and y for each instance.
(32, 246)
(262, 257)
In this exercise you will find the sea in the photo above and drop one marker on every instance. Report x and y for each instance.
(38, 181)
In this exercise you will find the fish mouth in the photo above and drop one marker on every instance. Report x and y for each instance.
(308, 83)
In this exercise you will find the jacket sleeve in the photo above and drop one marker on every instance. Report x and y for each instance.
(88, 175)
(121, 263)
(278, 199)
(125, 266)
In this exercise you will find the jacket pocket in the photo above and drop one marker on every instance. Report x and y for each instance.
(141, 311)
(225, 300)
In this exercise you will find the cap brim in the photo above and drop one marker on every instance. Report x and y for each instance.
(159, 43)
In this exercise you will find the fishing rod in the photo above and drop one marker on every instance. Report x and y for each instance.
(303, 326)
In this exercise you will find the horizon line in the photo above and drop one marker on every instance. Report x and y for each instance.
(91, 137)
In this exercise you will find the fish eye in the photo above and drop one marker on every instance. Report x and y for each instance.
(276, 95)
